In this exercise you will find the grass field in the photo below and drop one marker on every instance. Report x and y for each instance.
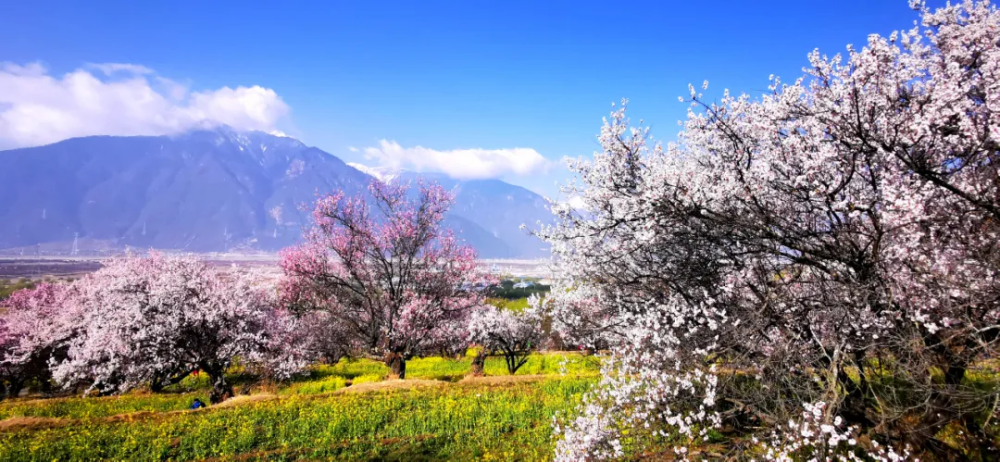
(344, 412)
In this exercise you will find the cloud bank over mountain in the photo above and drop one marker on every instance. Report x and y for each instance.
(38, 108)
(462, 164)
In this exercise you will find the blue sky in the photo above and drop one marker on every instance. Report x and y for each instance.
(447, 75)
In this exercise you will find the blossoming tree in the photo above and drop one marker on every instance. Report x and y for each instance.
(154, 320)
(514, 334)
(386, 270)
(31, 334)
(836, 236)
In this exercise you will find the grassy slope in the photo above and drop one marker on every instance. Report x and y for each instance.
(493, 418)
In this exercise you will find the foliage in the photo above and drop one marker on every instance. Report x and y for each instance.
(837, 234)
(506, 290)
(516, 304)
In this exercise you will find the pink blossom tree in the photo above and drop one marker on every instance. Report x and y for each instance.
(154, 320)
(32, 333)
(834, 241)
(385, 270)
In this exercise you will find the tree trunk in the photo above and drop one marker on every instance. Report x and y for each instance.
(45, 385)
(397, 365)
(514, 361)
(156, 385)
(221, 388)
(479, 362)
(14, 388)
(161, 381)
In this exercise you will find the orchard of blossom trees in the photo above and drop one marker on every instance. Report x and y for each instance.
(812, 275)
(377, 275)
(814, 272)
(145, 321)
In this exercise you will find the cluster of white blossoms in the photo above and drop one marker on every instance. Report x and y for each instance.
(654, 379)
(810, 243)
(811, 439)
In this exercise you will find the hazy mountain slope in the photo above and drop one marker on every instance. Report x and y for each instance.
(210, 190)
(499, 208)
(202, 191)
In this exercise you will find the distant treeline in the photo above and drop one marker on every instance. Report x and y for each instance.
(525, 288)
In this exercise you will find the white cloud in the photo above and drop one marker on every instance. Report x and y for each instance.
(38, 108)
(459, 163)
(111, 68)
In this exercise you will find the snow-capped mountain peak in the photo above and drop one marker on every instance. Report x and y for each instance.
(381, 173)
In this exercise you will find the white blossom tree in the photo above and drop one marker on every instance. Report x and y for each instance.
(514, 334)
(578, 316)
(154, 320)
(836, 236)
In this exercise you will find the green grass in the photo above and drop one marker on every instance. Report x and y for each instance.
(457, 422)
(323, 379)
(11, 286)
(437, 368)
(509, 420)
(77, 408)
(519, 304)
(547, 364)
(350, 368)
(324, 385)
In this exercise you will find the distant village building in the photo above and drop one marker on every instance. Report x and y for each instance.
(523, 285)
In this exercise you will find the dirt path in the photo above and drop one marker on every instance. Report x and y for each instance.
(392, 385)
(244, 399)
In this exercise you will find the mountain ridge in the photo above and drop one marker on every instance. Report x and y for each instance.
(210, 190)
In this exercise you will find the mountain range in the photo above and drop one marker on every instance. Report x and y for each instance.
(218, 190)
